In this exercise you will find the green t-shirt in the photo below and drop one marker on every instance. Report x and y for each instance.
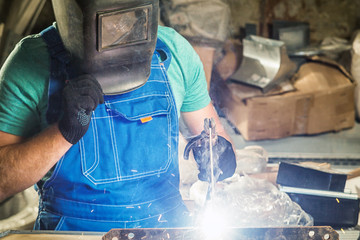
(24, 80)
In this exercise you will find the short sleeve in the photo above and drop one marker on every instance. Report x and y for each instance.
(185, 73)
(22, 88)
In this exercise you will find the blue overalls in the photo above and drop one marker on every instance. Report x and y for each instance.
(124, 172)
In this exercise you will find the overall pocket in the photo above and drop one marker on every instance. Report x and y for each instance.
(127, 139)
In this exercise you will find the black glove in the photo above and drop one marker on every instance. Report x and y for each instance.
(223, 157)
(81, 96)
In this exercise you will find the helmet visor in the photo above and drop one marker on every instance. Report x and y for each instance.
(123, 28)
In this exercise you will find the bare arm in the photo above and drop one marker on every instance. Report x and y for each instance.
(23, 162)
(195, 121)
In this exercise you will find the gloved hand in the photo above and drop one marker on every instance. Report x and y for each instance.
(81, 96)
(223, 157)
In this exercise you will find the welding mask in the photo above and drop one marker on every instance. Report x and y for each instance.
(113, 40)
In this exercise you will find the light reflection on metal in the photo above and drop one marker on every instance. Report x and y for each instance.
(210, 126)
(265, 63)
(213, 222)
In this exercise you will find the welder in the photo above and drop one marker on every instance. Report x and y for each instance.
(89, 112)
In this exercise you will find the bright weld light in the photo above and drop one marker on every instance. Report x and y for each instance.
(214, 223)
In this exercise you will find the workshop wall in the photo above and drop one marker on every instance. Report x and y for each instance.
(331, 18)
(326, 17)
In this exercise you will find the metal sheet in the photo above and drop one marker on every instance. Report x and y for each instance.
(265, 63)
(275, 233)
(283, 233)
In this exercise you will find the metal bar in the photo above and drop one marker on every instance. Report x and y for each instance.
(212, 177)
(283, 233)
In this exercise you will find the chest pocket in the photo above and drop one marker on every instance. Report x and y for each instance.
(128, 139)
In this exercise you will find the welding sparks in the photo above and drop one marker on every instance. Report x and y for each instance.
(161, 220)
(213, 222)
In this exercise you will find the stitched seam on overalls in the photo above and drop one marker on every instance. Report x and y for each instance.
(97, 157)
(173, 103)
(168, 117)
(60, 223)
(87, 172)
(115, 150)
(96, 141)
(55, 173)
(137, 117)
(83, 156)
(169, 124)
(140, 97)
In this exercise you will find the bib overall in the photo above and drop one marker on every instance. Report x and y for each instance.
(124, 172)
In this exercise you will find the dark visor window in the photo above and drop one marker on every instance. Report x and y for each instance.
(125, 27)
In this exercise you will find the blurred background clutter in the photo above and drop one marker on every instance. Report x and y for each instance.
(284, 76)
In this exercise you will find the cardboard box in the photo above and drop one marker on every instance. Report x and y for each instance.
(323, 101)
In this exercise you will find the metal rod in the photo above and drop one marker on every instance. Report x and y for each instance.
(212, 177)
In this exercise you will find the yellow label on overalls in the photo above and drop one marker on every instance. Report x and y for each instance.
(146, 119)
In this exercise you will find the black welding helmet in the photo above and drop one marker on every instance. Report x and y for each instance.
(113, 40)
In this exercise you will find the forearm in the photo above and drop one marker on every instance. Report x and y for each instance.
(224, 156)
(195, 121)
(23, 164)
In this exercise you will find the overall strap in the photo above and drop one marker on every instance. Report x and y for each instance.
(163, 52)
(59, 60)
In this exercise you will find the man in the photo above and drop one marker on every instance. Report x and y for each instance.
(89, 113)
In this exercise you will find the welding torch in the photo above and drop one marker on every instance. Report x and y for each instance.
(205, 156)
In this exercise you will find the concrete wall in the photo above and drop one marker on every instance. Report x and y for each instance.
(326, 17)
(336, 18)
